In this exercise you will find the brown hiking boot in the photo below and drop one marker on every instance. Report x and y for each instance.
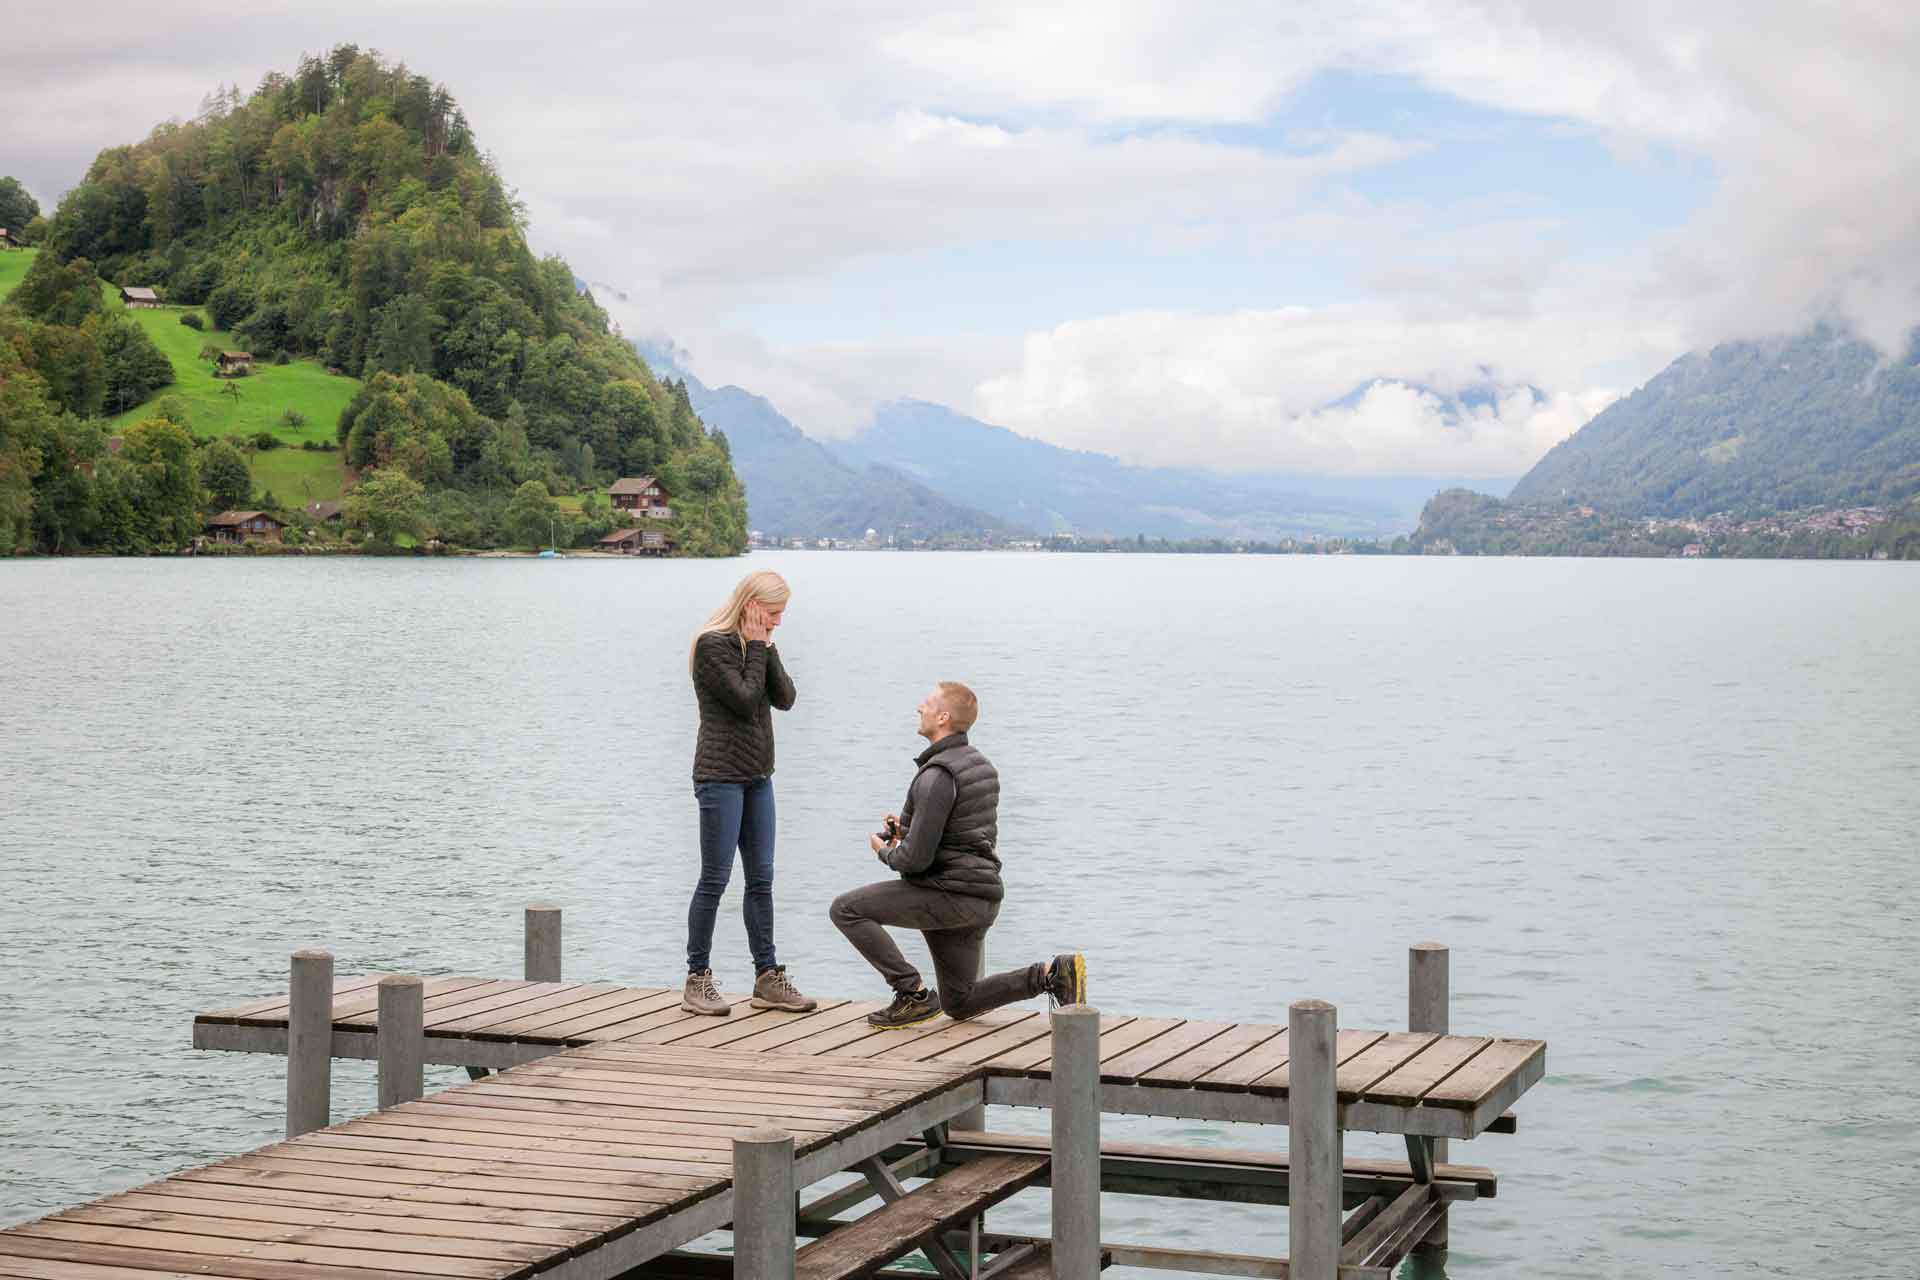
(703, 996)
(1067, 979)
(773, 989)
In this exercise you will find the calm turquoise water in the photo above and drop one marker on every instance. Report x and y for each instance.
(1664, 812)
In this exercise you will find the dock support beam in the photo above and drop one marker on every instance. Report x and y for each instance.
(543, 943)
(1076, 1144)
(309, 1042)
(763, 1205)
(1314, 1181)
(401, 1041)
(1429, 993)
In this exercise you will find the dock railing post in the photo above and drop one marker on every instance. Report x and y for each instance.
(309, 1042)
(401, 1039)
(1429, 994)
(764, 1208)
(1076, 1143)
(1314, 1161)
(543, 943)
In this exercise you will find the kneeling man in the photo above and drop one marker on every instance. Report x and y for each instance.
(942, 844)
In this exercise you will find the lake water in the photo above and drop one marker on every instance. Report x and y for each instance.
(1664, 812)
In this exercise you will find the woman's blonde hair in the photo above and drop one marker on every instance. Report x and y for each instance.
(762, 585)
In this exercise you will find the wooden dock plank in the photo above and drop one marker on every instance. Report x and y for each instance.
(539, 998)
(434, 1002)
(1407, 1085)
(864, 1246)
(1355, 1074)
(342, 987)
(1483, 1073)
(471, 1184)
(806, 1024)
(1239, 1072)
(1347, 1045)
(1028, 1057)
(563, 1022)
(141, 1259)
(948, 1035)
(201, 1218)
(1184, 1070)
(1128, 1066)
(317, 1255)
(357, 1003)
(387, 1201)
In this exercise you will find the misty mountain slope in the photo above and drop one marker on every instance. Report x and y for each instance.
(1071, 491)
(1750, 427)
(796, 487)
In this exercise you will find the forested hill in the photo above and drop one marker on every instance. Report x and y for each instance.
(1750, 428)
(346, 215)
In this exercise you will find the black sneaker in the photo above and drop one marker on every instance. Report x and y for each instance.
(1067, 979)
(905, 1011)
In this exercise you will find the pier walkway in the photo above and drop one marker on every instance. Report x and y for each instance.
(1440, 1086)
(606, 1128)
(583, 1165)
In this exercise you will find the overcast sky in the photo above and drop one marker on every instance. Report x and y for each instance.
(1173, 232)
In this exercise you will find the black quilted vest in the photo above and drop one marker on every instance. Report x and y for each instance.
(965, 862)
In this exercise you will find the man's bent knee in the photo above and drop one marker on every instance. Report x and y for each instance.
(844, 912)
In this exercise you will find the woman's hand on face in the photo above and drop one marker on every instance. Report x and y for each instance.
(753, 622)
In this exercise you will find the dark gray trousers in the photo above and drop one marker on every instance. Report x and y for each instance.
(955, 927)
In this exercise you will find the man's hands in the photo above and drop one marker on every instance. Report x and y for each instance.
(754, 623)
(890, 833)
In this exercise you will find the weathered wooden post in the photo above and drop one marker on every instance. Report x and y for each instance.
(1076, 1143)
(1429, 993)
(543, 943)
(1313, 1159)
(401, 1039)
(309, 1042)
(764, 1208)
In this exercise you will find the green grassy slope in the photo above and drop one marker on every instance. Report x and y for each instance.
(13, 267)
(293, 475)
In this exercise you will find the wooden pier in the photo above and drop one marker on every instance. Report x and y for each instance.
(606, 1129)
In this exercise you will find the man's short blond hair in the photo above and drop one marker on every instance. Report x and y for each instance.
(962, 707)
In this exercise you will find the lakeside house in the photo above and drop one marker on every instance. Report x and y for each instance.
(9, 241)
(324, 512)
(234, 364)
(636, 542)
(640, 496)
(139, 297)
(244, 526)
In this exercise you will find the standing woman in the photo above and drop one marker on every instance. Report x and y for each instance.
(738, 680)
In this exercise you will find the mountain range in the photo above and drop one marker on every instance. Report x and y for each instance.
(1749, 428)
(941, 472)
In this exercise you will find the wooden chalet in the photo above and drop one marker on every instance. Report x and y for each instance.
(234, 364)
(244, 526)
(324, 512)
(139, 297)
(641, 496)
(636, 542)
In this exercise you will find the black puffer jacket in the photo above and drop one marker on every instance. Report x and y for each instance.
(737, 693)
(952, 816)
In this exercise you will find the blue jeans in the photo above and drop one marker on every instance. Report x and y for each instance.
(733, 815)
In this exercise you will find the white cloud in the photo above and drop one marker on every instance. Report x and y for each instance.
(1252, 389)
(704, 162)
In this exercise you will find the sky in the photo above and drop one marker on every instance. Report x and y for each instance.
(1179, 233)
